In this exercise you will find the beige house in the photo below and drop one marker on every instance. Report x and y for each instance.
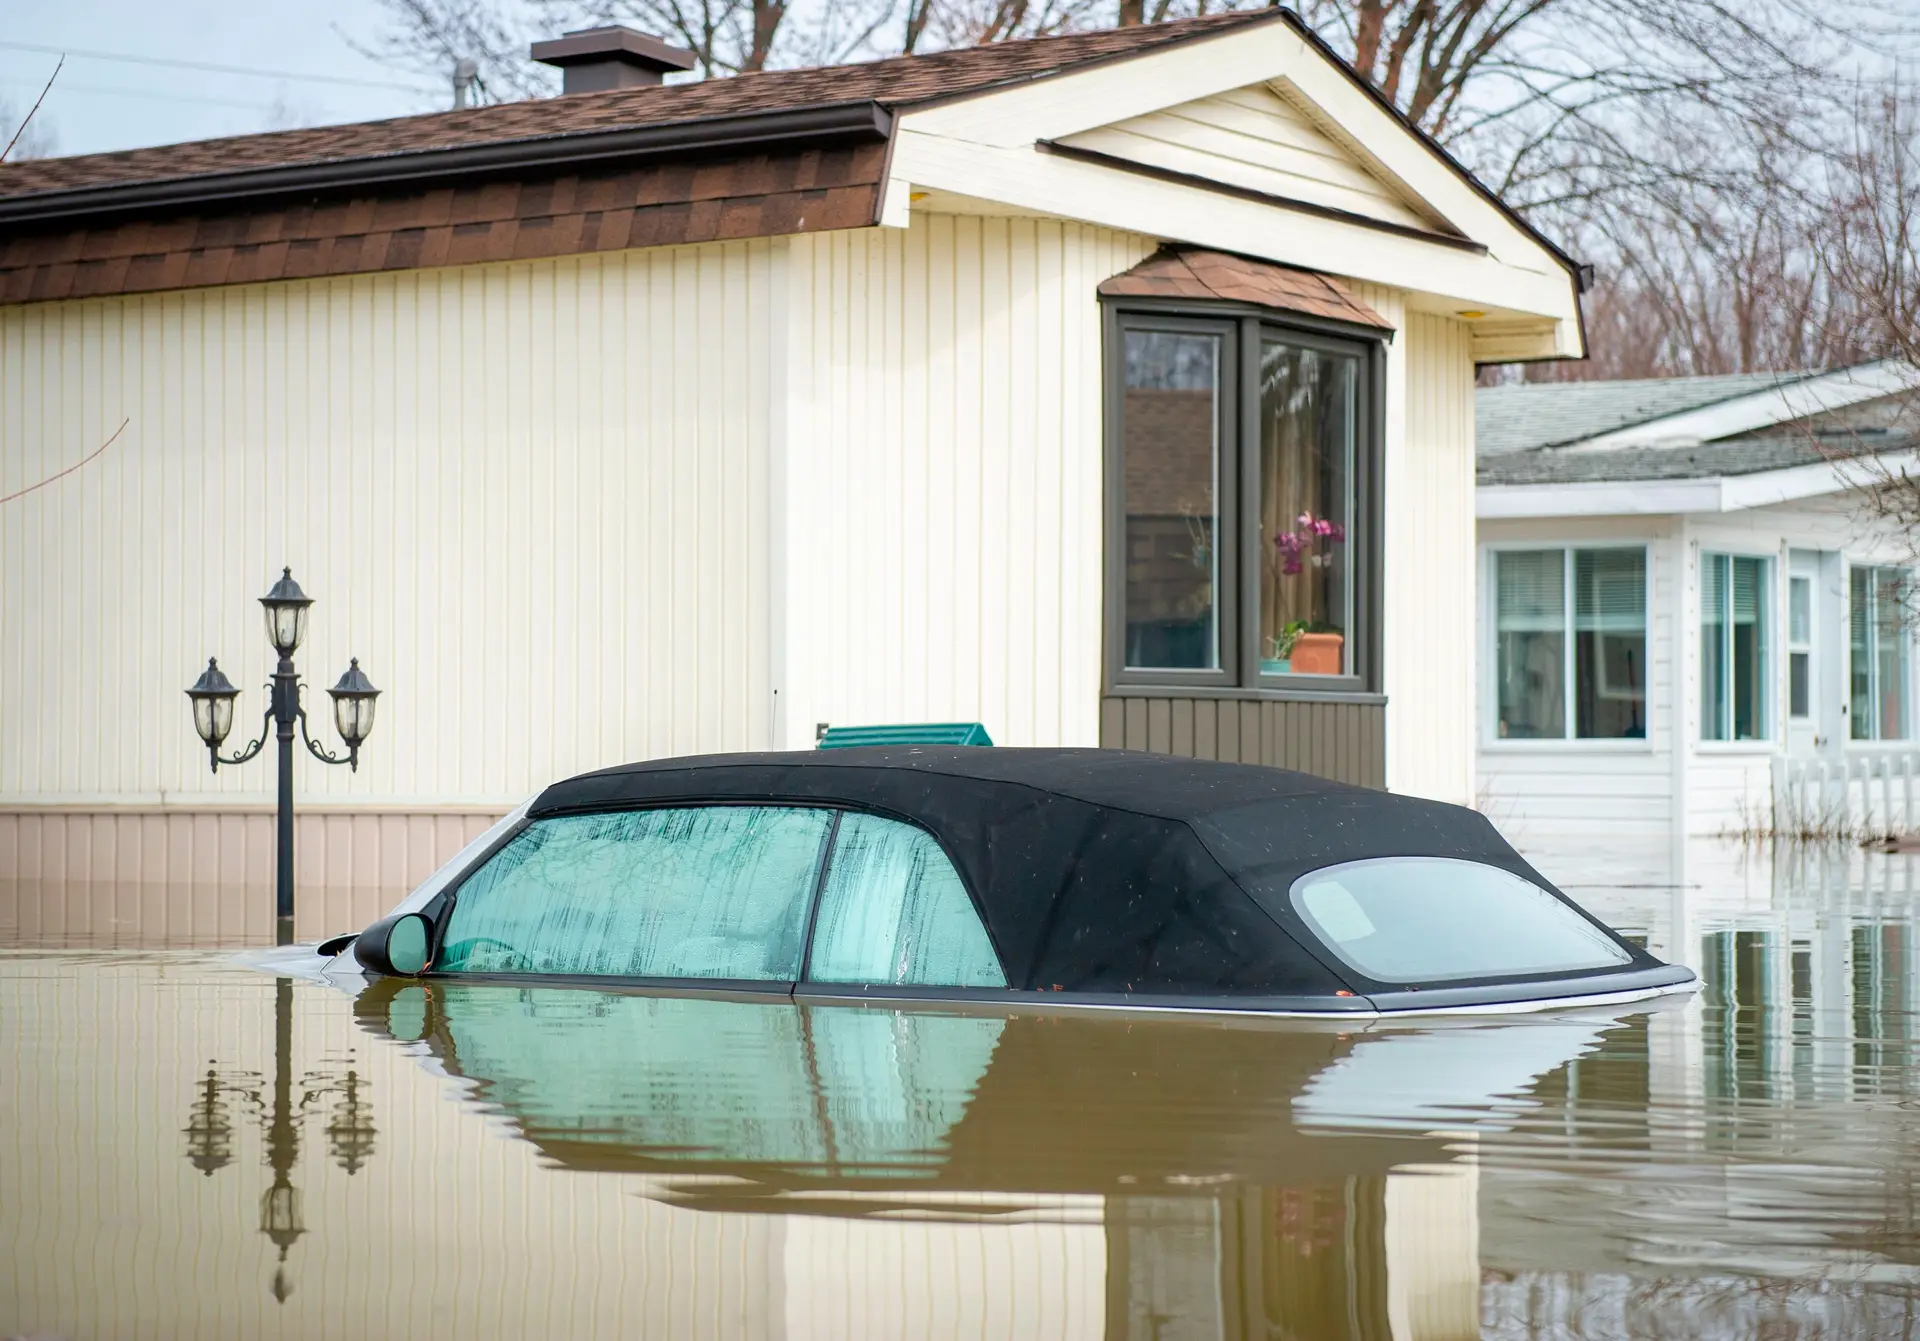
(1107, 389)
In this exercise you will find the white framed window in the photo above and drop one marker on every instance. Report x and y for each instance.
(1736, 636)
(1877, 653)
(1570, 643)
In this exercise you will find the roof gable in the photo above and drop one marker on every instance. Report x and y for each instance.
(1259, 141)
(1264, 137)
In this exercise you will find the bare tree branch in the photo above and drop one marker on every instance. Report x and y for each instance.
(27, 120)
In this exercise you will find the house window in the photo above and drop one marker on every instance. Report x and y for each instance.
(1570, 633)
(1244, 455)
(1171, 423)
(1878, 653)
(1735, 602)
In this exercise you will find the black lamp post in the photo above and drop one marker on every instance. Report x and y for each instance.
(213, 698)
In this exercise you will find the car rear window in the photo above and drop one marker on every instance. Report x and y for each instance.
(1438, 919)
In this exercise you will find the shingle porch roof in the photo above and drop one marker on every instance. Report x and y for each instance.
(1196, 273)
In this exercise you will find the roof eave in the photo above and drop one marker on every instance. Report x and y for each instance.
(1722, 492)
(864, 120)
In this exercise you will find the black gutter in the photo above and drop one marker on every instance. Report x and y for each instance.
(865, 120)
(1221, 188)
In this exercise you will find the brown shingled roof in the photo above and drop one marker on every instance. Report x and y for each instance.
(900, 81)
(1191, 272)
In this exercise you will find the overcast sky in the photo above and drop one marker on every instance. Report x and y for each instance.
(99, 104)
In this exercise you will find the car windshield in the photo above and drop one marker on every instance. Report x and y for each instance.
(1434, 919)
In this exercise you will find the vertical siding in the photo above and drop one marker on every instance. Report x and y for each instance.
(532, 498)
(1342, 741)
(206, 878)
(1429, 639)
(944, 476)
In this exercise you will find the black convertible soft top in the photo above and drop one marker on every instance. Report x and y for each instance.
(1119, 873)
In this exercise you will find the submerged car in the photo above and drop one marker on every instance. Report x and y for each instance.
(1079, 878)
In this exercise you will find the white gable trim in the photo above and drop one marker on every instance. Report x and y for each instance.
(985, 145)
(1726, 493)
(1795, 399)
(1054, 184)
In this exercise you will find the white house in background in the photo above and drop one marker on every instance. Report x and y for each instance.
(988, 385)
(1677, 588)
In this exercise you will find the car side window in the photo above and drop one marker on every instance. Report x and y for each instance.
(894, 911)
(700, 892)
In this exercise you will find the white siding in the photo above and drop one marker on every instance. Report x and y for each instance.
(1428, 583)
(1255, 138)
(532, 498)
(945, 476)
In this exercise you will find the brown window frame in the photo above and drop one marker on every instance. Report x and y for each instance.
(1242, 329)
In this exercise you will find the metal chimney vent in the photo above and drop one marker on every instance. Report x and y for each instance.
(595, 59)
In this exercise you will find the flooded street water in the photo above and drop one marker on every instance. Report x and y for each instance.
(189, 1147)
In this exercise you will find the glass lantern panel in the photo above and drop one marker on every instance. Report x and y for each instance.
(354, 718)
(286, 627)
(222, 718)
(206, 720)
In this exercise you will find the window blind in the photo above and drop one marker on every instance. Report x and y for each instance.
(1610, 590)
(1530, 593)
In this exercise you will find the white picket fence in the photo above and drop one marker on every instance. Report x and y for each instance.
(1857, 796)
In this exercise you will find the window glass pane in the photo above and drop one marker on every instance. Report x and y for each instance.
(1751, 604)
(1530, 635)
(894, 911)
(1435, 919)
(1170, 442)
(1309, 421)
(1610, 642)
(1890, 661)
(709, 892)
(1715, 706)
(1798, 675)
(1860, 649)
(1877, 643)
(1800, 610)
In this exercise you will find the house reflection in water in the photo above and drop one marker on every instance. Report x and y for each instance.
(1183, 1179)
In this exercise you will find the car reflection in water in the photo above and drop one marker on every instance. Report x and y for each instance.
(1247, 1174)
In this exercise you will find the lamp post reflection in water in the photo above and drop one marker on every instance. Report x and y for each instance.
(350, 1132)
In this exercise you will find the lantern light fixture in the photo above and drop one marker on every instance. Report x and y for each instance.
(214, 696)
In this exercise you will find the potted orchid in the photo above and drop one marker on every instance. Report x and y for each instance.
(1303, 647)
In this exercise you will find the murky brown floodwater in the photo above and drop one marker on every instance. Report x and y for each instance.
(191, 1148)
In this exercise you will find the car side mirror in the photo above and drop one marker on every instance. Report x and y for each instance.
(396, 946)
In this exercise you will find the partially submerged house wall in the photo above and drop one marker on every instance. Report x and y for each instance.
(532, 498)
(1629, 801)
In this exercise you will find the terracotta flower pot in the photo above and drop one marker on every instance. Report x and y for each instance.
(1317, 654)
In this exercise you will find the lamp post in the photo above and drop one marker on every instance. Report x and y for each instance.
(213, 698)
